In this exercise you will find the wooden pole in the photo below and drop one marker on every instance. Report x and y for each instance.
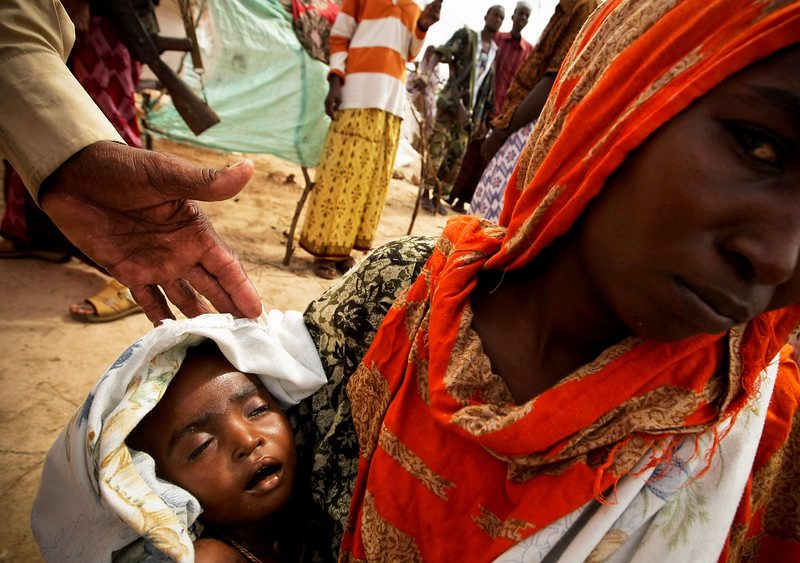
(287, 258)
(424, 171)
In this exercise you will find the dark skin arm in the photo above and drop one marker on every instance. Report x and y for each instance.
(334, 98)
(429, 16)
(134, 213)
(527, 111)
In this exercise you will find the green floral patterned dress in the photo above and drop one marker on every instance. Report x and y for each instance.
(342, 323)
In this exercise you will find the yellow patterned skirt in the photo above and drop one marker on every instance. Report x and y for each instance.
(351, 183)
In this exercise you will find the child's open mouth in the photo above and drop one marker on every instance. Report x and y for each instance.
(266, 477)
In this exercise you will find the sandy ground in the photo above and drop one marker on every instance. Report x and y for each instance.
(49, 362)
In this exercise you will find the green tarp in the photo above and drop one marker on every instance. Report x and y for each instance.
(267, 90)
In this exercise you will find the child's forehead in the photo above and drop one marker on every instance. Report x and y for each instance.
(203, 375)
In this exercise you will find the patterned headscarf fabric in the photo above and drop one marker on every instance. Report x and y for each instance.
(448, 462)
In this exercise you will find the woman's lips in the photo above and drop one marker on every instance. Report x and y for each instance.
(265, 478)
(713, 312)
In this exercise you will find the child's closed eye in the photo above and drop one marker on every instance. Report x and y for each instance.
(198, 451)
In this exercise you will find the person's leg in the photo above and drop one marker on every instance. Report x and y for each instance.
(341, 187)
(381, 179)
(437, 152)
(27, 232)
(469, 173)
(452, 161)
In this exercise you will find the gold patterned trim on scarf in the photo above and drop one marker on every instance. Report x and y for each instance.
(512, 529)
(382, 541)
(469, 373)
(421, 365)
(414, 465)
(782, 510)
(661, 411)
(368, 389)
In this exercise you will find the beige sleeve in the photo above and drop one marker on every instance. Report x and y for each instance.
(45, 114)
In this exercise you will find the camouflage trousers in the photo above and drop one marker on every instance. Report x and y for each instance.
(446, 147)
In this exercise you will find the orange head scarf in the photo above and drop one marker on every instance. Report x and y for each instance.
(450, 467)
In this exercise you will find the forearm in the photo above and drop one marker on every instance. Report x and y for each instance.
(531, 106)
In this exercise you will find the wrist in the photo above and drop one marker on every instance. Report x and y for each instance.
(501, 134)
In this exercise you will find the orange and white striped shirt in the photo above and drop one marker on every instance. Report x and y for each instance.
(370, 43)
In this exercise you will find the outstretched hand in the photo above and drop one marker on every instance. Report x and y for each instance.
(131, 211)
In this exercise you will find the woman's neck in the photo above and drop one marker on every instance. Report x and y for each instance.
(541, 323)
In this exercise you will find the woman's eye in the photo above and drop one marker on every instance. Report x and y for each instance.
(197, 452)
(758, 145)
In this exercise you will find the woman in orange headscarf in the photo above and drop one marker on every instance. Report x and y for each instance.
(598, 377)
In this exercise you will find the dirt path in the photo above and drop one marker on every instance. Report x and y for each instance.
(49, 362)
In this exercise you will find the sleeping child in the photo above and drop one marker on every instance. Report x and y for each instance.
(182, 450)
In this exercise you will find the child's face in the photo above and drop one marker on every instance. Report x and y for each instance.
(219, 434)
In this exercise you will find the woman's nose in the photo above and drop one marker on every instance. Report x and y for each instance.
(768, 255)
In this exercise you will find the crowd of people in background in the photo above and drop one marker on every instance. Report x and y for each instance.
(497, 83)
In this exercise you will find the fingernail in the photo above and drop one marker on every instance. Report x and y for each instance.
(237, 163)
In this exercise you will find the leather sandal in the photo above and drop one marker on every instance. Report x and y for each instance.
(113, 302)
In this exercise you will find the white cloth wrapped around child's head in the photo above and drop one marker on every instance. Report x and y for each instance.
(97, 496)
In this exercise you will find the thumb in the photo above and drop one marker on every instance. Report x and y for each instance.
(178, 179)
(225, 182)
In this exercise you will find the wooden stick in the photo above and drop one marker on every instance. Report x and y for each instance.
(424, 162)
(287, 258)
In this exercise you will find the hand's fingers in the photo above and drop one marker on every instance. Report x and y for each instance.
(238, 294)
(181, 294)
(149, 297)
(209, 286)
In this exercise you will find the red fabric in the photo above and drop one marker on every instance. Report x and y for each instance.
(329, 10)
(450, 473)
(510, 54)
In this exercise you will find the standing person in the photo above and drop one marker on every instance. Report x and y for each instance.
(463, 105)
(525, 100)
(370, 43)
(511, 52)
(103, 66)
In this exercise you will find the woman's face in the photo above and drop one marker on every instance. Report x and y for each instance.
(699, 230)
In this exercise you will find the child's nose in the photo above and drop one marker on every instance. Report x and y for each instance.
(246, 438)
